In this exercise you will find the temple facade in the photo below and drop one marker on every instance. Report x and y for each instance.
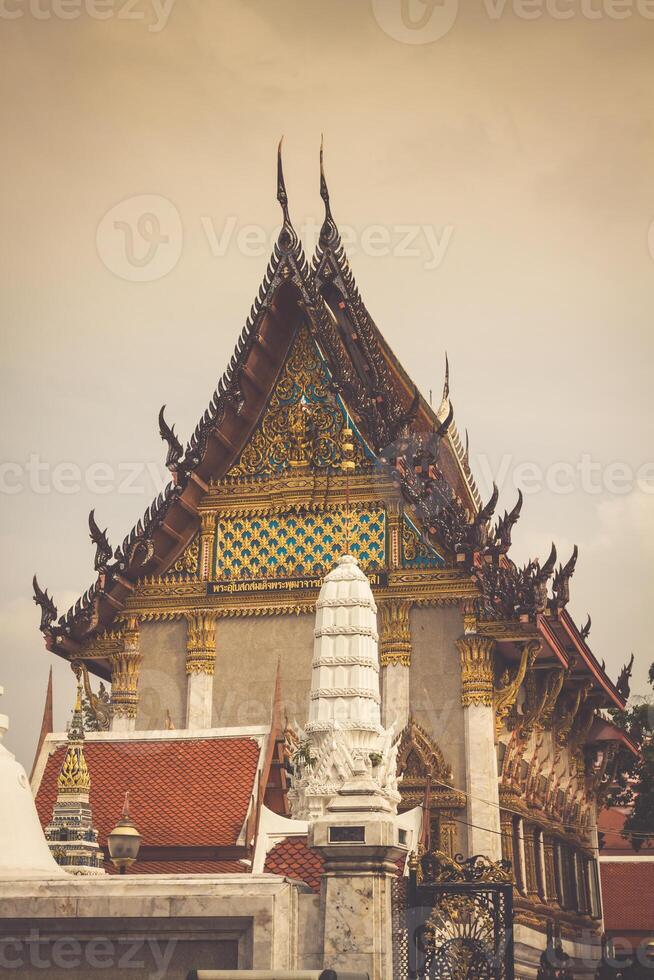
(486, 695)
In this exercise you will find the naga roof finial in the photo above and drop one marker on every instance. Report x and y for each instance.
(329, 231)
(561, 581)
(45, 604)
(282, 196)
(585, 630)
(175, 448)
(288, 239)
(446, 383)
(622, 685)
(103, 550)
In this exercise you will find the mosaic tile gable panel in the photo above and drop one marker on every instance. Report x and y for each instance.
(303, 542)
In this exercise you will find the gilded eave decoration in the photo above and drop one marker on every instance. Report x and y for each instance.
(422, 768)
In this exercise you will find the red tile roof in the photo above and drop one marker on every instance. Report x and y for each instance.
(183, 792)
(627, 890)
(292, 857)
(610, 824)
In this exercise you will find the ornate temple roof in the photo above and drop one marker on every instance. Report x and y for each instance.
(418, 449)
(367, 376)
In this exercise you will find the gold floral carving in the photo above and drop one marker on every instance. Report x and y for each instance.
(566, 712)
(125, 668)
(303, 423)
(505, 695)
(207, 541)
(469, 613)
(187, 563)
(201, 642)
(554, 685)
(477, 672)
(416, 552)
(74, 774)
(395, 633)
(419, 762)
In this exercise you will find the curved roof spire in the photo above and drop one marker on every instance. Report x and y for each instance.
(288, 239)
(329, 231)
(445, 405)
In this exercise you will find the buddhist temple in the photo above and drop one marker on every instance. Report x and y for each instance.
(324, 664)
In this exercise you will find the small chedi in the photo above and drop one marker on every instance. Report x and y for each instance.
(344, 744)
(71, 836)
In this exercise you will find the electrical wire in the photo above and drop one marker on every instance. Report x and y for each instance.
(517, 813)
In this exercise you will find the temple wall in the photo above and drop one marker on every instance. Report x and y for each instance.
(246, 663)
(435, 682)
(162, 683)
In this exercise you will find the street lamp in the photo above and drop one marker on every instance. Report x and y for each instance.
(124, 841)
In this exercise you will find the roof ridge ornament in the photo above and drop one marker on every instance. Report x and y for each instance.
(288, 239)
(445, 407)
(329, 234)
(45, 604)
(175, 448)
(103, 550)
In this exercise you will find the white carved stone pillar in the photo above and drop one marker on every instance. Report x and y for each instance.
(200, 664)
(125, 669)
(484, 832)
(344, 779)
(395, 661)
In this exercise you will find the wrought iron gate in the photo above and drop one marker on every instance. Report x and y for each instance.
(459, 919)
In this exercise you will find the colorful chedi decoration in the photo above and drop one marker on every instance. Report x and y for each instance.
(71, 836)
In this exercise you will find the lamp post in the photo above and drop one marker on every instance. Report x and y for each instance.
(124, 841)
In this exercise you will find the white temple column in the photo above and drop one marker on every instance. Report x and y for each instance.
(200, 664)
(125, 669)
(395, 661)
(484, 832)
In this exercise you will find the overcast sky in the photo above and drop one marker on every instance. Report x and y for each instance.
(495, 167)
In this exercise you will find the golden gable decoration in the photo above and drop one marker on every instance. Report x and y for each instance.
(303, 422)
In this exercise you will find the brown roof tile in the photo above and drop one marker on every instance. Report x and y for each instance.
(628, 895)
(292, 857)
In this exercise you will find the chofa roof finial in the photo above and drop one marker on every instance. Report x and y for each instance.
(329, 231)
(282, 196)
(287, 237)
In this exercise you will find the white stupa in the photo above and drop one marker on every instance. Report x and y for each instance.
(23, 850)
(344, 741)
